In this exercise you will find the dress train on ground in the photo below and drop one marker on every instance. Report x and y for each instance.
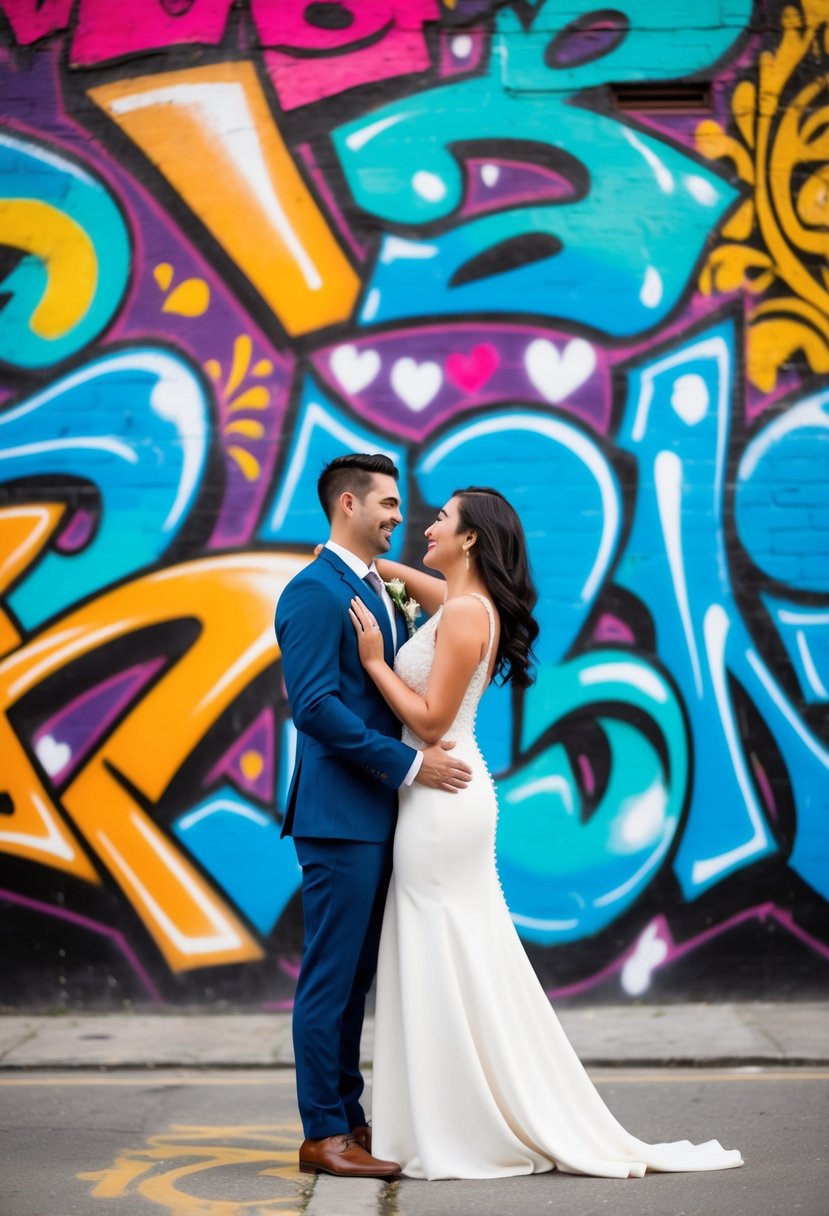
(474, 1076)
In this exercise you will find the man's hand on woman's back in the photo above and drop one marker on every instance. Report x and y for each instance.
(441, 771)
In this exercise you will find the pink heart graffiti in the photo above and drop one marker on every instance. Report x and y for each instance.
(470, 372)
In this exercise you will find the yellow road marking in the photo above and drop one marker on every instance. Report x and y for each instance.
(786, 1074)
(286, 1077)
(152, 1078)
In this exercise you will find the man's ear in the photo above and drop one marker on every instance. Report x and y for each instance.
(346, 501)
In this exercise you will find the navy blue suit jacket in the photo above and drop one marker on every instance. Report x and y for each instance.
(350, 762)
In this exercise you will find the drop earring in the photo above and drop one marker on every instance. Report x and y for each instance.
(466, 554)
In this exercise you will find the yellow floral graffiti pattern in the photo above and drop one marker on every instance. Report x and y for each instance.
(776, 244)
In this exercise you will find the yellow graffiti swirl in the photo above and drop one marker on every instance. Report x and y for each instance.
(782, 153)
(68, 255)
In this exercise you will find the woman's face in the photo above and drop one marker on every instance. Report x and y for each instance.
(444, 543)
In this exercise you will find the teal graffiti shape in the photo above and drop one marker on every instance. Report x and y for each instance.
(239, 846)
(322, 431)
(567, 495)
(563, 487)
(574, 46)
(70, 250)
(571, 858)
(805, 634)
(616, 254)
(130, 434)
(676, 423)
(781, 497)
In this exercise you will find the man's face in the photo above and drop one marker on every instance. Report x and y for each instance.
(376, 515)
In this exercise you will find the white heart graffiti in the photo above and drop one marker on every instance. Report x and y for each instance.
(556, 373)
(416, 384)
(52, 755)
(354, 369)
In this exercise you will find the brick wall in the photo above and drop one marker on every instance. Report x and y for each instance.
(576, 254)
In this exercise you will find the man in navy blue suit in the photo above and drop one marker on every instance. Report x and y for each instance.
(342, 803)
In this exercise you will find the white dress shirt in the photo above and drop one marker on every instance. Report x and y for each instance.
(360, 568)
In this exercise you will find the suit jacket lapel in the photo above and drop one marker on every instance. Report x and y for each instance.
(369, 598)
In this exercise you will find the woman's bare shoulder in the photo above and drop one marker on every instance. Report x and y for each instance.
(465, 611)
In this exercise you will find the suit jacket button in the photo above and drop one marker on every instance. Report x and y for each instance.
(384, 776)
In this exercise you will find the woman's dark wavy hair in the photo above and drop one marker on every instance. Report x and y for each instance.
(501, 552)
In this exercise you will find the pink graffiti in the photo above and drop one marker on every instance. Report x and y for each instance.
(461, 50)
(471, 371)
(103, 33)
(676, 950)
(33, 19)
(413, 380)
(373, 42)
(311, 50)
(588, 777)
(288, 965)
(257, 740)
(610, 628)
(71, 733)
(91, 926)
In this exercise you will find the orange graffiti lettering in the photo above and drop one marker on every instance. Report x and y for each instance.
(110, 798)
(211, 134)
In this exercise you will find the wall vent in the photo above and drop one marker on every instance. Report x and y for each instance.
(662, 97)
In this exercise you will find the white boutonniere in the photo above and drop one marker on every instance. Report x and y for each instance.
(409, 607)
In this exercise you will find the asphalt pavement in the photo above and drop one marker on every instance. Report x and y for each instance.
(195, 1115)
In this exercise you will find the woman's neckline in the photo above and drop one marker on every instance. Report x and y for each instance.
(478, 595)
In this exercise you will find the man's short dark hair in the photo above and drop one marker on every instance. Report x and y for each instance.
(353, 472)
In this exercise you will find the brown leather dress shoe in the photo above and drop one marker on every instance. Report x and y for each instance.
(362, 1135)
(343, 1157)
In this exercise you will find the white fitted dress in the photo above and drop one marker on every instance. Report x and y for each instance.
(473, 1074)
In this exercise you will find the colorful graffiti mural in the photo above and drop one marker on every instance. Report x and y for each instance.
(239, 239)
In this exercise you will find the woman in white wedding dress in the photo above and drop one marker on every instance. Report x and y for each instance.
(473, 1074)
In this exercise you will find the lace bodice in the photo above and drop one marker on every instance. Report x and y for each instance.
(414, 663)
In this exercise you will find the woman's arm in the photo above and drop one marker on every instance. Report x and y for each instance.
(461, 643)
(426, 589)
(309, 625)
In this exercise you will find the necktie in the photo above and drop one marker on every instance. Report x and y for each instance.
(375, 582)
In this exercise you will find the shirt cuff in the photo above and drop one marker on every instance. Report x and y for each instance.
(414, 770)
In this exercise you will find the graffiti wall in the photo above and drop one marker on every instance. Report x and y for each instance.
(576, 253)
